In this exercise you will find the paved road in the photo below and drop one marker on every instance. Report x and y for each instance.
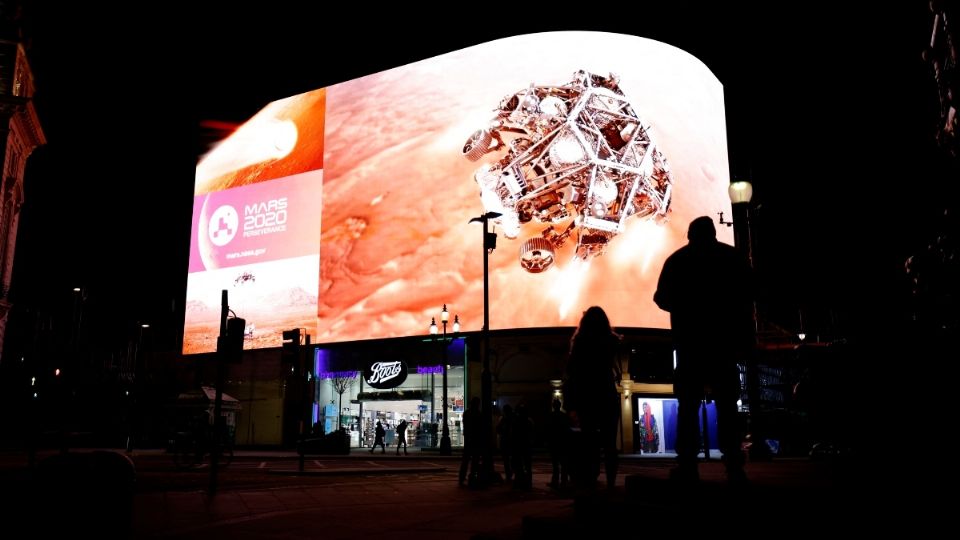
(404, 497)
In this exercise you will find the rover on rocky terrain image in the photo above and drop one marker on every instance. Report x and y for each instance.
(575, 157)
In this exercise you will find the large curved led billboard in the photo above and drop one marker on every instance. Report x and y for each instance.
(347, 210)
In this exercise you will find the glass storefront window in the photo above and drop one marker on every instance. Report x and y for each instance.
(419, 401)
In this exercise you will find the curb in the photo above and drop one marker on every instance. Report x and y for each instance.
(346, 471)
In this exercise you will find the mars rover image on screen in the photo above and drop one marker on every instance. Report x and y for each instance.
(575, 157)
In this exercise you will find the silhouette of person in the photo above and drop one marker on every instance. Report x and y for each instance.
(402, 437)
(558, 432)
(505, 431)
(522, 445)
(591, 398)
(379, 435)
(649, 431)
(707, 287)
(200, 430)
(471, 442)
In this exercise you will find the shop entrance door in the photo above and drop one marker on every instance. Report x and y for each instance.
(420, 429)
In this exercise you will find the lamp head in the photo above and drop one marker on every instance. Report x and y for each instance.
(433, 326)
(740, 191)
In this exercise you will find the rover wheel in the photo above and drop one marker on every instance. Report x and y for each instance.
(536, 255)
(477, 145)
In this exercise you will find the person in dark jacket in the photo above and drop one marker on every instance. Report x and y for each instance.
(522, 444)
(558, 440)
(505, 432)
(379, 435)
(472, 426)
(707, 287)
(402, 437)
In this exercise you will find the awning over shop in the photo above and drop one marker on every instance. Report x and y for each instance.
(205, 397)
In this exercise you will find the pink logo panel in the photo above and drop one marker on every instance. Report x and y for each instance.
(257, 223)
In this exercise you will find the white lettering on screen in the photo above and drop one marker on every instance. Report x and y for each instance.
(264, 218)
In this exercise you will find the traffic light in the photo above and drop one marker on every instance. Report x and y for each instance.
(291, 346)
(233, 346)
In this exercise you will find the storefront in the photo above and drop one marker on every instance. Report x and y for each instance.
(405, 384)
(402, 380)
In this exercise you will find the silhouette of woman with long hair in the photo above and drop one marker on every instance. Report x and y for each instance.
(591, 398)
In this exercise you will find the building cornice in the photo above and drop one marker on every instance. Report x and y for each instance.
(31, 132)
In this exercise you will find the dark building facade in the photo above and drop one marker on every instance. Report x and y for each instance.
(20, 135)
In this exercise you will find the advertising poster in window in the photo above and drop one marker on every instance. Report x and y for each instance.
(655, 426)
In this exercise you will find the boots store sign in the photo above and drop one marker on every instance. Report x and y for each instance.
(385, 374)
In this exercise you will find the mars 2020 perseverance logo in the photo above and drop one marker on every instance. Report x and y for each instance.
(223, 225)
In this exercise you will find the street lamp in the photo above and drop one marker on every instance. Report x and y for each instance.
(445, 447)
(486, 379)
(133, 404)
(78, 298)
(741, 192)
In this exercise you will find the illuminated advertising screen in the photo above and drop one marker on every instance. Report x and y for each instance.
(347, 210)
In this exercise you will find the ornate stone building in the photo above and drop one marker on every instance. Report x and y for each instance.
(20, 134)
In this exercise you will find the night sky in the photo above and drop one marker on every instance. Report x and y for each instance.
(831, 115)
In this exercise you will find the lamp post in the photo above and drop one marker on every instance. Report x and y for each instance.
(741, 192)
(445, 447)
(486, 379)
(133, 402)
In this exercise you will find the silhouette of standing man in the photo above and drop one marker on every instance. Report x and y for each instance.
(558, 435)
(402, 437)
(505, 430)
(471, 443)
(379, 434)
(707, 288)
